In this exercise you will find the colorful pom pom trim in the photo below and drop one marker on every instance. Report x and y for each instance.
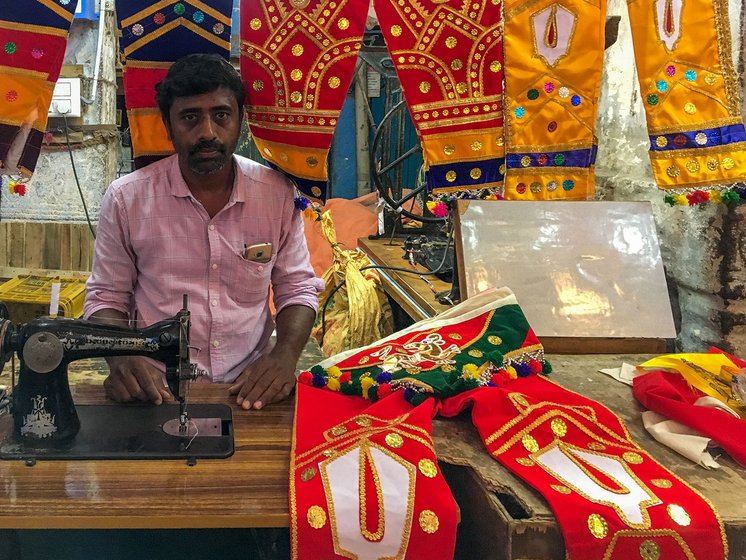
(374, 385)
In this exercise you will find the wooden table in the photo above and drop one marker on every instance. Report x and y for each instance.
(410, 291)
(248, 489)
(501, 518)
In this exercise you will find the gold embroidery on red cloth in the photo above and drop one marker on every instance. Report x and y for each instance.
(368, 464)
(427, 468)
(597, 526)
(656, 533)
(308, 474)
(560, 488)
(316, 517)
(649, 550)
(661, 483)
(678, 515)
(429, 521)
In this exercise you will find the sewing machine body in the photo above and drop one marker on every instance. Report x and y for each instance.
(46, 420)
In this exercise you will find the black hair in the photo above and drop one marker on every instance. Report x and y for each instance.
(196, 74)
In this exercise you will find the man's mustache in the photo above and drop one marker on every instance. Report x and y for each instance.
(207, 146)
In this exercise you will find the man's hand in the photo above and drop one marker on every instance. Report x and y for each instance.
(134, 378)
(269, 380)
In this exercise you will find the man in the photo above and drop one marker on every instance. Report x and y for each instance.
(213, 225)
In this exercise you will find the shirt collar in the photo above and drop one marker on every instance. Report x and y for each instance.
(180, 189)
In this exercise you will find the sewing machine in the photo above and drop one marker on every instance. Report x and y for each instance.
(46, 422)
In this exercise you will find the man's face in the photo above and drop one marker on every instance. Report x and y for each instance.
(204, 130)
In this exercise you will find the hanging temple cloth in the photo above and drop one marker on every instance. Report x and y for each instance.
(448, 57)
(153, 35)
(33, 37)
(553, 59)
(690, 95)
(364, 478)
(297, 61)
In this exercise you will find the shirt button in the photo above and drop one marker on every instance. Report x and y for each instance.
(214, 266)
(216, 343)
(214, 303)
(212, 227)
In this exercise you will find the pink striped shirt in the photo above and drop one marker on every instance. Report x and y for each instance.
(155, 242)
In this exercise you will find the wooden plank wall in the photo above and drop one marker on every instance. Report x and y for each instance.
(47, 245)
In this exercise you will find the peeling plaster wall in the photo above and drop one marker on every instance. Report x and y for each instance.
(703, 247)
(52, 194)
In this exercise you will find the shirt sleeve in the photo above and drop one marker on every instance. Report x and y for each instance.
(294, 281)
(114, 270)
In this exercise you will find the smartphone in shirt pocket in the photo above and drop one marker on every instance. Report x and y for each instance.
(260, 252)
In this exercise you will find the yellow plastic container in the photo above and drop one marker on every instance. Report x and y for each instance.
(27, 297)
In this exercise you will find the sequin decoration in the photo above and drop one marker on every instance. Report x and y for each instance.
(519, 112)
(520, 188)
(711, 79)
(678, 515)
(64, 2)
(559, 427)
(37, 52)
(597, 526)
(363, 421)
(218, 28)
(535, 188)
(690, 75)
(563, 92)
(700, 138)
(692, 166)
(568, 184)
(661, 141)
(316, 517)
(308, 474)
(495, 66)
(632, 458)
(429, 522)
(395, 30)
(670, 70)
(661, 483)
(649, 550)
(652, 99)
(343, 23)
(451, 42)
(532, 94)
(179, 9)
(559, 159)
(394, 440)
(448, 149)
(549, 87)
(198, 17)
(455, 336)
(596, 446)
(338, 431)
(728, 163)
(525, 161)
(672, 171)
(560, 488)
(552, 126)
(10, 47)
(427, 468)
(475, 173)
(690, 108)
(451, 176)
(159, 18)
(529, 443)
(258, 85)
(296, 97)
(712, 164)
(424, 87)
(575, 100)
(520, 399)
(297, 49)
(661, 86)
(296, 75)
(312, 161)
(255, 24)
(316, 191)
(552, 186)
(493, 339)
(474, 353)
(11, 96)
(476, 146)
(363, 360)
(524, 461)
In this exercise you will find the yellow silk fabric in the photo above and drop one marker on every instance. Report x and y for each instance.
(691, 76)
(710, 373)
(576, 68)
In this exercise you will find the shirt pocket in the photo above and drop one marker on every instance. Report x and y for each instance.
(251, 280)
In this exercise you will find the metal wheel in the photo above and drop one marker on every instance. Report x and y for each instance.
(387, 164)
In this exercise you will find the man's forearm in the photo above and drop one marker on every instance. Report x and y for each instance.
(110, 317)
(294, 325)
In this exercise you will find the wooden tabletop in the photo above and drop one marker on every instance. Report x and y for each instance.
(249, 489)
(414, 293)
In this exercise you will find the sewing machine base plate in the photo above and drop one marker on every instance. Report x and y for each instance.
(134, 432)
